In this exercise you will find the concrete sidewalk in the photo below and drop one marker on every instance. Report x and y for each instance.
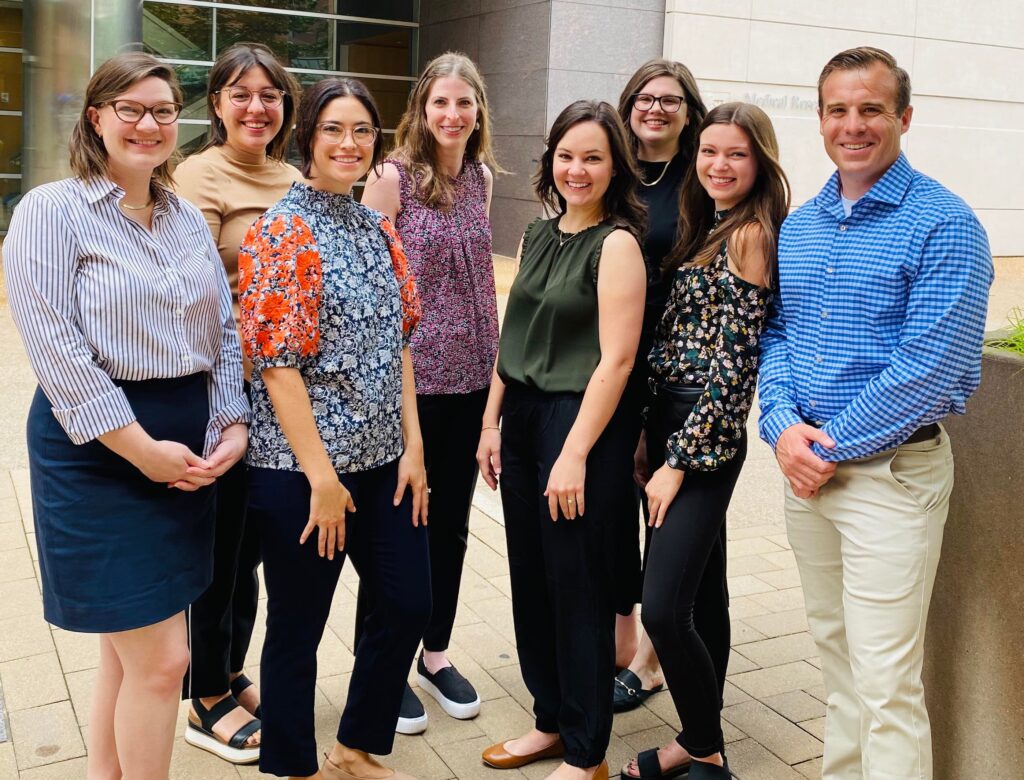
(774, 715)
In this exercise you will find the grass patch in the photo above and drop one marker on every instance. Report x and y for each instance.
(1012, 340)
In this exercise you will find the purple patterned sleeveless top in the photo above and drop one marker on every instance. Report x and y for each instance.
(454, 347)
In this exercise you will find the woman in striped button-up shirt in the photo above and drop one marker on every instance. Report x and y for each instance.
(123, 304)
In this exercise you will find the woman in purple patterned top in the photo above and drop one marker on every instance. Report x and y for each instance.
(436, 187)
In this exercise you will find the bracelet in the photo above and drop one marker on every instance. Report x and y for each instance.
(490, 428)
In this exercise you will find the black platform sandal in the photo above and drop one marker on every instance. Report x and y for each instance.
(238, 685)
(201, 734)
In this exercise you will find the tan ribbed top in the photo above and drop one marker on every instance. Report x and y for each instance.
(232, 189)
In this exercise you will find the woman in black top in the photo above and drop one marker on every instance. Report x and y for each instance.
(661, 109)
(704, 366)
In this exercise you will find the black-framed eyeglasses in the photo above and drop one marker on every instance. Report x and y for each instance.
(670, 104)
(242, 96)
(131, 111)
(363, 135)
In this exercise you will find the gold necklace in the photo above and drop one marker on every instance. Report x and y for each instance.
(124, 205)
(662, 176)
(564, 238)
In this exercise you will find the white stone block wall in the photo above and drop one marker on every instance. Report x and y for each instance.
(966, 63)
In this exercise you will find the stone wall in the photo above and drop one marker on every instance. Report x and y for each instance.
(974, 674)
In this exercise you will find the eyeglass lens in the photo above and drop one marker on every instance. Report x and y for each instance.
(130, 111)
(242, 96)
(669, 103)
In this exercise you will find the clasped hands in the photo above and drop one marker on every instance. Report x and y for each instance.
(805, 471)
(176, 465)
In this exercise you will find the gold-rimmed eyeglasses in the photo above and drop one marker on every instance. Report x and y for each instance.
(242, 96)
(363, 135)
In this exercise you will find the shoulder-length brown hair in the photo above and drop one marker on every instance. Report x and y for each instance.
(415, 144)
(112, 79)
(232, 64)
(695, 109)
(767, 204)
(622, 205)
(315, 99)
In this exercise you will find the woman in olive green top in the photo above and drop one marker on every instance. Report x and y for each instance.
(239, 175)
(567, 346)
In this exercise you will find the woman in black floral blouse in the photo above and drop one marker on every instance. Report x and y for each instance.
(704, 367)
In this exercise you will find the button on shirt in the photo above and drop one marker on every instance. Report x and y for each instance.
(877, 329)
(97, 298)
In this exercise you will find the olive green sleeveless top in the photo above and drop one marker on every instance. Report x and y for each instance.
(549, 340)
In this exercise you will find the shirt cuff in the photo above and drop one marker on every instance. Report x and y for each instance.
(237, 411)
(87, 421)
(772, 425)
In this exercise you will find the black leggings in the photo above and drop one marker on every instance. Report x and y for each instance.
(684, 579)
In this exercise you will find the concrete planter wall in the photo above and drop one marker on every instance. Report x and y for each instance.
(974, 666)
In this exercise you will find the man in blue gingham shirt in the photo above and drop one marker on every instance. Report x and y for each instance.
(876, 336)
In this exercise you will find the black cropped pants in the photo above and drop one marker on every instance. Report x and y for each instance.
(450, 425)
(562, 572)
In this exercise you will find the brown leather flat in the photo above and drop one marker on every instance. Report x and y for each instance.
(499, 758)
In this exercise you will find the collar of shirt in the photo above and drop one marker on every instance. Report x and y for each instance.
(332, 204)
(890, 189)
(101, 187)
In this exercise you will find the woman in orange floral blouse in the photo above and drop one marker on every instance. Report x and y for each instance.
(336, 456)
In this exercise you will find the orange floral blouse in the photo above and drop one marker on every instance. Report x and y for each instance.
(325, 288)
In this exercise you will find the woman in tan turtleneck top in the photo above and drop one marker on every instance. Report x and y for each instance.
(233, 180)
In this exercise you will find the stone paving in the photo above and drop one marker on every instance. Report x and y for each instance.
(773, 716)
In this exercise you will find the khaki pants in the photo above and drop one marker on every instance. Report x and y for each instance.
(867, 547)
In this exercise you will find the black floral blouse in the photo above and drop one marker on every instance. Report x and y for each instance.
(710, 336)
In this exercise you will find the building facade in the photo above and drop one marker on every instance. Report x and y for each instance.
(537, 56)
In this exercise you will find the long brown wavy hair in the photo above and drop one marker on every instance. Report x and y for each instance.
(415, 144)
(695, 108)
(621, 203)
(767, 203)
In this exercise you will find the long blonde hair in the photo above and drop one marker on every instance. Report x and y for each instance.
(414, 143)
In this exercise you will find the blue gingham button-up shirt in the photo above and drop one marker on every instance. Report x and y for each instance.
(877, 328)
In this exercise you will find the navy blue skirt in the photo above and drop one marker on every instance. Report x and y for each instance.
(118, 551)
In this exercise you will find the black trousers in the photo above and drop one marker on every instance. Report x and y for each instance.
(391, 558)
(221, 620)
(686, 598)
(629, 500)
(562, 572)
(450, 425)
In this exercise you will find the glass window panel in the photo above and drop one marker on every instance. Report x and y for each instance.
(298, 41)
(10, 194)
(399, 10)
(10, 25)
(180, 32)
(191, 138)
(10, 82)
(389, 95)
(317, 6)
(374, 48)
(10, 144)
(193, 80)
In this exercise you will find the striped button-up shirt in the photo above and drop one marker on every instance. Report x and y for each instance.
(877, 329)
(97, 297)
